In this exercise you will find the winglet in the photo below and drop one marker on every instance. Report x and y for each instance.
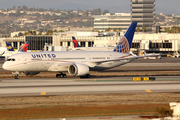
(24, 47)
(75, 43)
(124, 44)
(9, 46)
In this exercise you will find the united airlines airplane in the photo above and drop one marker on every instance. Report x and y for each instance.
(77, 63)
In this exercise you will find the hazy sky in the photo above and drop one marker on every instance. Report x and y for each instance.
(164, 6)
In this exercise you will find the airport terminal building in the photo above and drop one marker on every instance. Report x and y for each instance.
(142, 42)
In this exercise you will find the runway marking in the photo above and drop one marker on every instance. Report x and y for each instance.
(145, 78)
(148, 90)
(137, 79)
(43, 93)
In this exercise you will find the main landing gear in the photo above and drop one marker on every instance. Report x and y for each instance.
(61, 75)
(85, 76)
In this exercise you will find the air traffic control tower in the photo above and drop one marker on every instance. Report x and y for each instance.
(143, 12)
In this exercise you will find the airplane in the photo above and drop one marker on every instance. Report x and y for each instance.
(78, 47)
(4, 49)
(11, 50)
(8, 48)
(75, 42)
(76, 63)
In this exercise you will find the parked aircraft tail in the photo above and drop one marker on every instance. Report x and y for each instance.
(75, 43)
(125, 42)
(9, 46)
(24, 47)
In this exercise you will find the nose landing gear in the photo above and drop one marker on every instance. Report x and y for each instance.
(16, 76)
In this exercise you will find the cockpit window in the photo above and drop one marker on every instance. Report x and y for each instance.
(8, 59)
(11, 59)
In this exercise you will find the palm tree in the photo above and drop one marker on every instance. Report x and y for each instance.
(40, 33)
(108, 29)
(49, 32)
(138, 29)
(33, 32)
(178, 29)
(114, 29)
(25, 33)
(63, 31)
(96, 30)
(119, 29)
(144, 28)
(54, 30)
(166, 29)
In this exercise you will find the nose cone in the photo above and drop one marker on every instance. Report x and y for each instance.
(5, 66)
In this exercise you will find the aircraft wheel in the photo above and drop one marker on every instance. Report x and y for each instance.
(57, 75)
(81, 76)
(61, 75)
(64, 75)
(16, 76)
(87, 76)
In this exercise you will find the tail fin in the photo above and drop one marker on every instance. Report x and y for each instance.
(75, 43)
(124, 44)
(9, 46)
(24, 47)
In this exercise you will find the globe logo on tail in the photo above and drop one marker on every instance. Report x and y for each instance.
(123, 46)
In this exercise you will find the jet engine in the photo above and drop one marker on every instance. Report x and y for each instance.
(30, 73)
(78, 69)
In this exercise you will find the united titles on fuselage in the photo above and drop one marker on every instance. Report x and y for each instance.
(43, 55)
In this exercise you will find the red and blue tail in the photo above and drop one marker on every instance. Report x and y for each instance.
(124, 44)
(24, 47)
(75, 42)
(9, 46)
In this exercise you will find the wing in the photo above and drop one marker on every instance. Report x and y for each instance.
(94, 63)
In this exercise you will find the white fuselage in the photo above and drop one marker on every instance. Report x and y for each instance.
(2, 50)
(55, 61)
(92, 49)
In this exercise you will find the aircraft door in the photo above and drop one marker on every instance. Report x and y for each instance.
(88, 57)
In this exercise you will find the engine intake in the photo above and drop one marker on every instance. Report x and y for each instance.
(78, 70)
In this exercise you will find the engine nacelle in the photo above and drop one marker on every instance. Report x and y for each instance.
(78, 69)
(30, 73)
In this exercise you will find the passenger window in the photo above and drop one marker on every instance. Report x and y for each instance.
(13, 59)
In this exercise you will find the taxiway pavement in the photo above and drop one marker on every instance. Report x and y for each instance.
(97, 85)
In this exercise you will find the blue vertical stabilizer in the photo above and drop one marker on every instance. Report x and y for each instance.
(9, 46)
(124, 44)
